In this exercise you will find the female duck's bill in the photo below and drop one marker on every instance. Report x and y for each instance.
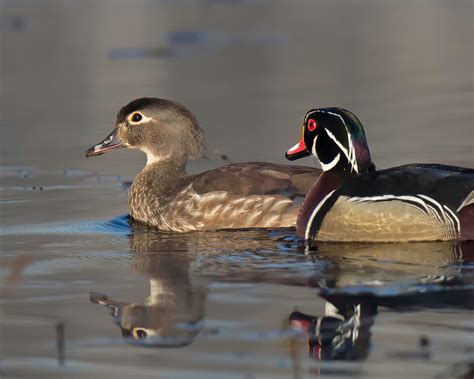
(112, 141)
(352, 201)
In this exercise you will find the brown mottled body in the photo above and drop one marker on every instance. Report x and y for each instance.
(245, 195)
(249, 195)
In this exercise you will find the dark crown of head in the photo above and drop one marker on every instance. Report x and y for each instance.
(154, 103)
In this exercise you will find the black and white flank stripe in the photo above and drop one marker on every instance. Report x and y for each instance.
(381, 218)
(424, 203)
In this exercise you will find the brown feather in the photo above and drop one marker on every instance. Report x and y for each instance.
(246, 195)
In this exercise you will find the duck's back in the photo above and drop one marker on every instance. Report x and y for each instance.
(256, 178)
(419, 202)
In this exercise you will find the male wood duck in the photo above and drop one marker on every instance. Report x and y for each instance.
(245, 195)
(352, 201)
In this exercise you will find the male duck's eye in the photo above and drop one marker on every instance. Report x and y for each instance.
(312, 125)
(136, 117)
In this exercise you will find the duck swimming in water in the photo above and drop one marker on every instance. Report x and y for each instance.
(352, 201)
(162, 195)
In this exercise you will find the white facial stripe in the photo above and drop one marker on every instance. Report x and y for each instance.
(351, 155)
(309, 114)
(332, 164)
(325, 166)
(339, 144)
(313, 149)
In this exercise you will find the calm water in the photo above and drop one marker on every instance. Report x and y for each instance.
(84, 293)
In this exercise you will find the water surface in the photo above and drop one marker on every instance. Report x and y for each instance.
(84, 293)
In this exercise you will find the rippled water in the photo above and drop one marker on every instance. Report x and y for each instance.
(86, 293)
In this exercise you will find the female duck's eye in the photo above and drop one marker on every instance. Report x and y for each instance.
(312, 125)
(136, 117)
(140, 333)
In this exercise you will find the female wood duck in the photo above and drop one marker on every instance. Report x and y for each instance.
(246, 195)
(351, 201)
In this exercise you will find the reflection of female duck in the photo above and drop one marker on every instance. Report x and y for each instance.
(351, 201)
(173, 312)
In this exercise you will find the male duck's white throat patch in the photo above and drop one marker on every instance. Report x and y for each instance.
(325, 166)
(332, 164)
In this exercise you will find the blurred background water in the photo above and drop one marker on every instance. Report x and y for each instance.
(84, 294)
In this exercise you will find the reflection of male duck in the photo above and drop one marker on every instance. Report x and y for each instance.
(343, 332)
(340, 334)
(173, 312)
(355, 263)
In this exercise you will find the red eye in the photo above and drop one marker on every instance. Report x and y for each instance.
(312, 125)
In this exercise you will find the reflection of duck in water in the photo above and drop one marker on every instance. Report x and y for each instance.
(173, 313)
(344, 331)
(355, 263)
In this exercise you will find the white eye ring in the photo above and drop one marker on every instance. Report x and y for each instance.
(148, 332)
(141, 118)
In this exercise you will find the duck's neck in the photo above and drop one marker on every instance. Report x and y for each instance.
(327, 182)
(151, 184)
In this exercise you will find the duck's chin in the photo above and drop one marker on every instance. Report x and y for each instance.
(152, 157)
(332, 164)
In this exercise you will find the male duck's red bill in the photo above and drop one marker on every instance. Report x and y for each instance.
(299, 150)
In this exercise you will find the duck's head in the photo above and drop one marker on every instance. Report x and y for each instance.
(336, 137)
(162, 129)
(156, 324)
